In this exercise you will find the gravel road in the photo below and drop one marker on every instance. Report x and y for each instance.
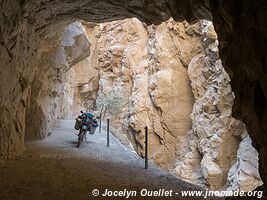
(54, 168)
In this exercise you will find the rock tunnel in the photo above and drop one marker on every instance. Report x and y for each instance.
(26, 27)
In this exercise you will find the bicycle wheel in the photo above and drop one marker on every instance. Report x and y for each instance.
(81, 136)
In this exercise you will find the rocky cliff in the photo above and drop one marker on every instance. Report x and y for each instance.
(47, 95)
(216, 135)
(144, 81)
(82, 80)
(241, 28)
(155, 76)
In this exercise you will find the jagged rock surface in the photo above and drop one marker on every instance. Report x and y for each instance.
(216, 132)
(244, 174)
(144, 82)
(82, 80)
(241, 27)
(242, 34)
(46, 100)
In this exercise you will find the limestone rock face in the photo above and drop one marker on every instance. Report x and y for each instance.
(47, 95)
(241, 28)
(82, 80)
(171, 46)
(121, 50)
(144, 82)
(244, 174)
(216, 132)
(242, 35)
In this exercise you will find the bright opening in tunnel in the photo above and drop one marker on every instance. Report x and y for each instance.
(168, 77)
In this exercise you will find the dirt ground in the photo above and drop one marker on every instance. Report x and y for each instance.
(54, 168)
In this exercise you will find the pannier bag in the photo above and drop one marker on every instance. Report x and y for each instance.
(78, 124)
(92, 130)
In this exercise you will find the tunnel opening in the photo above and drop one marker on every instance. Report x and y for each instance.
(156, 76)
(28, 26)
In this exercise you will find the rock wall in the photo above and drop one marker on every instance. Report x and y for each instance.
(215, 135)
(244, 174)
(121, 46)
(82, 80)
(241, 28)
(144, 82)
(47, 100)
(242, 33)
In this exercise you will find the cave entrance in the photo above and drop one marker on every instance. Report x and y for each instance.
(155, 76)
(124, 76)
(113, 78)
(24, 22)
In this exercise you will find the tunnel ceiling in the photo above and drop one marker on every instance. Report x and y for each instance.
(241, 26)
(149, 11)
